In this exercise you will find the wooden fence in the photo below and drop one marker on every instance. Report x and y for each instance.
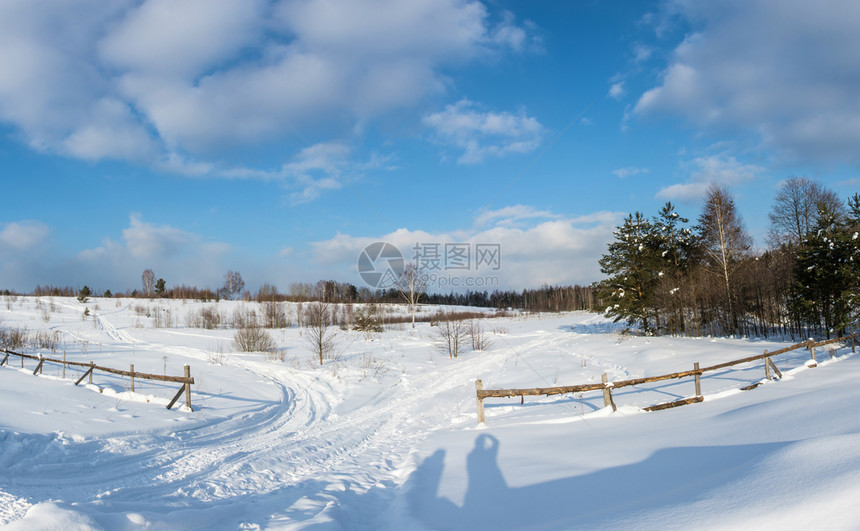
(91, 367)
(607, 386)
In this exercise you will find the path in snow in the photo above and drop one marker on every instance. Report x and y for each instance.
(296, 449)
(311, 446)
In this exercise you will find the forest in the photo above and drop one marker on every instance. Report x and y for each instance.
(669, 277)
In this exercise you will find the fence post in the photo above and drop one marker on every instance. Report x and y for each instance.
(92, 368)
(812, 350)
(767, 366)
(64, 365)
(832, 350)
(132, 377)
(479, 386)
(852, 342)
(774, 368)
(698, 380)
(607, 393)
(188, 387)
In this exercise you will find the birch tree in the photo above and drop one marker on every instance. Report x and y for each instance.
(724, 240)
(148, 279)
(412, 284)
(233, 284)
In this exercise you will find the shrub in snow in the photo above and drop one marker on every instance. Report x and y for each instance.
(253, 339)
(450, 336)
(367, 319)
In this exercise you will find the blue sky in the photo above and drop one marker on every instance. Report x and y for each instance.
(279, 138)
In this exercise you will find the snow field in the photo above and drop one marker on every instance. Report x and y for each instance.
(385, 437)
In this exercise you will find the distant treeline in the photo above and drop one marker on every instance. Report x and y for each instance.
(662, 275)
(544, 299)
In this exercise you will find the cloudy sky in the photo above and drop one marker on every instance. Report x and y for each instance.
(279, 138)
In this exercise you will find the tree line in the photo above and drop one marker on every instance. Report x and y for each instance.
(670, 277)
(543, 299)
(664, 274)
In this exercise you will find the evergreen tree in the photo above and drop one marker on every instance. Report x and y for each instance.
(826, 272)
(632, 266)
(84, 293)
(676, 245)
(160, 286)
(852, 219)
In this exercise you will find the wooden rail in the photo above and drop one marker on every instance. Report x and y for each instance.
(607, 386)
(91, 367)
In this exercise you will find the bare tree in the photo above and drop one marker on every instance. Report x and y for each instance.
(477, 336)
(148, 279)
(723, 238)
(274, 314)
(412, 284)
(796, 207)
(233, 284)
(319, 334)
(450, 335)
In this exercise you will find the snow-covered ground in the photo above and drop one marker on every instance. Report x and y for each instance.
(385, 436)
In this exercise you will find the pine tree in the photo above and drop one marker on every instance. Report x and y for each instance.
(827, 275)
(84, 293)
(631, 263)
(676, 245)
(852, 218)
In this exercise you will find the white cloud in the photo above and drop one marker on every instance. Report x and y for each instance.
(720, 169)
(629, 171)
(177, 255)
(30, 256)
(616, 91)
(512, 215)
(786, 70)
(553, 249)
(109, 132)
(174, 38)
(176, 163)
(53, 91)
(315, 169)
(145, 240)
(484, 134)
(642, 52)
(145, 80)
(22, 236)
(324, 166)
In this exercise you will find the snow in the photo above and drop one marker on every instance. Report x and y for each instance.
(385, 436)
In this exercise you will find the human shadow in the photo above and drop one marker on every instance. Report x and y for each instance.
(670, 477)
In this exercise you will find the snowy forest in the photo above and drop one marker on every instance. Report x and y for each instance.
(671, 277)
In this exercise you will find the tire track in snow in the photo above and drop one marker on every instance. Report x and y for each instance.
(294, 442)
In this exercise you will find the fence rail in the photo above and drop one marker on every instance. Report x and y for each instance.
(607, 386)
(91, 367)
